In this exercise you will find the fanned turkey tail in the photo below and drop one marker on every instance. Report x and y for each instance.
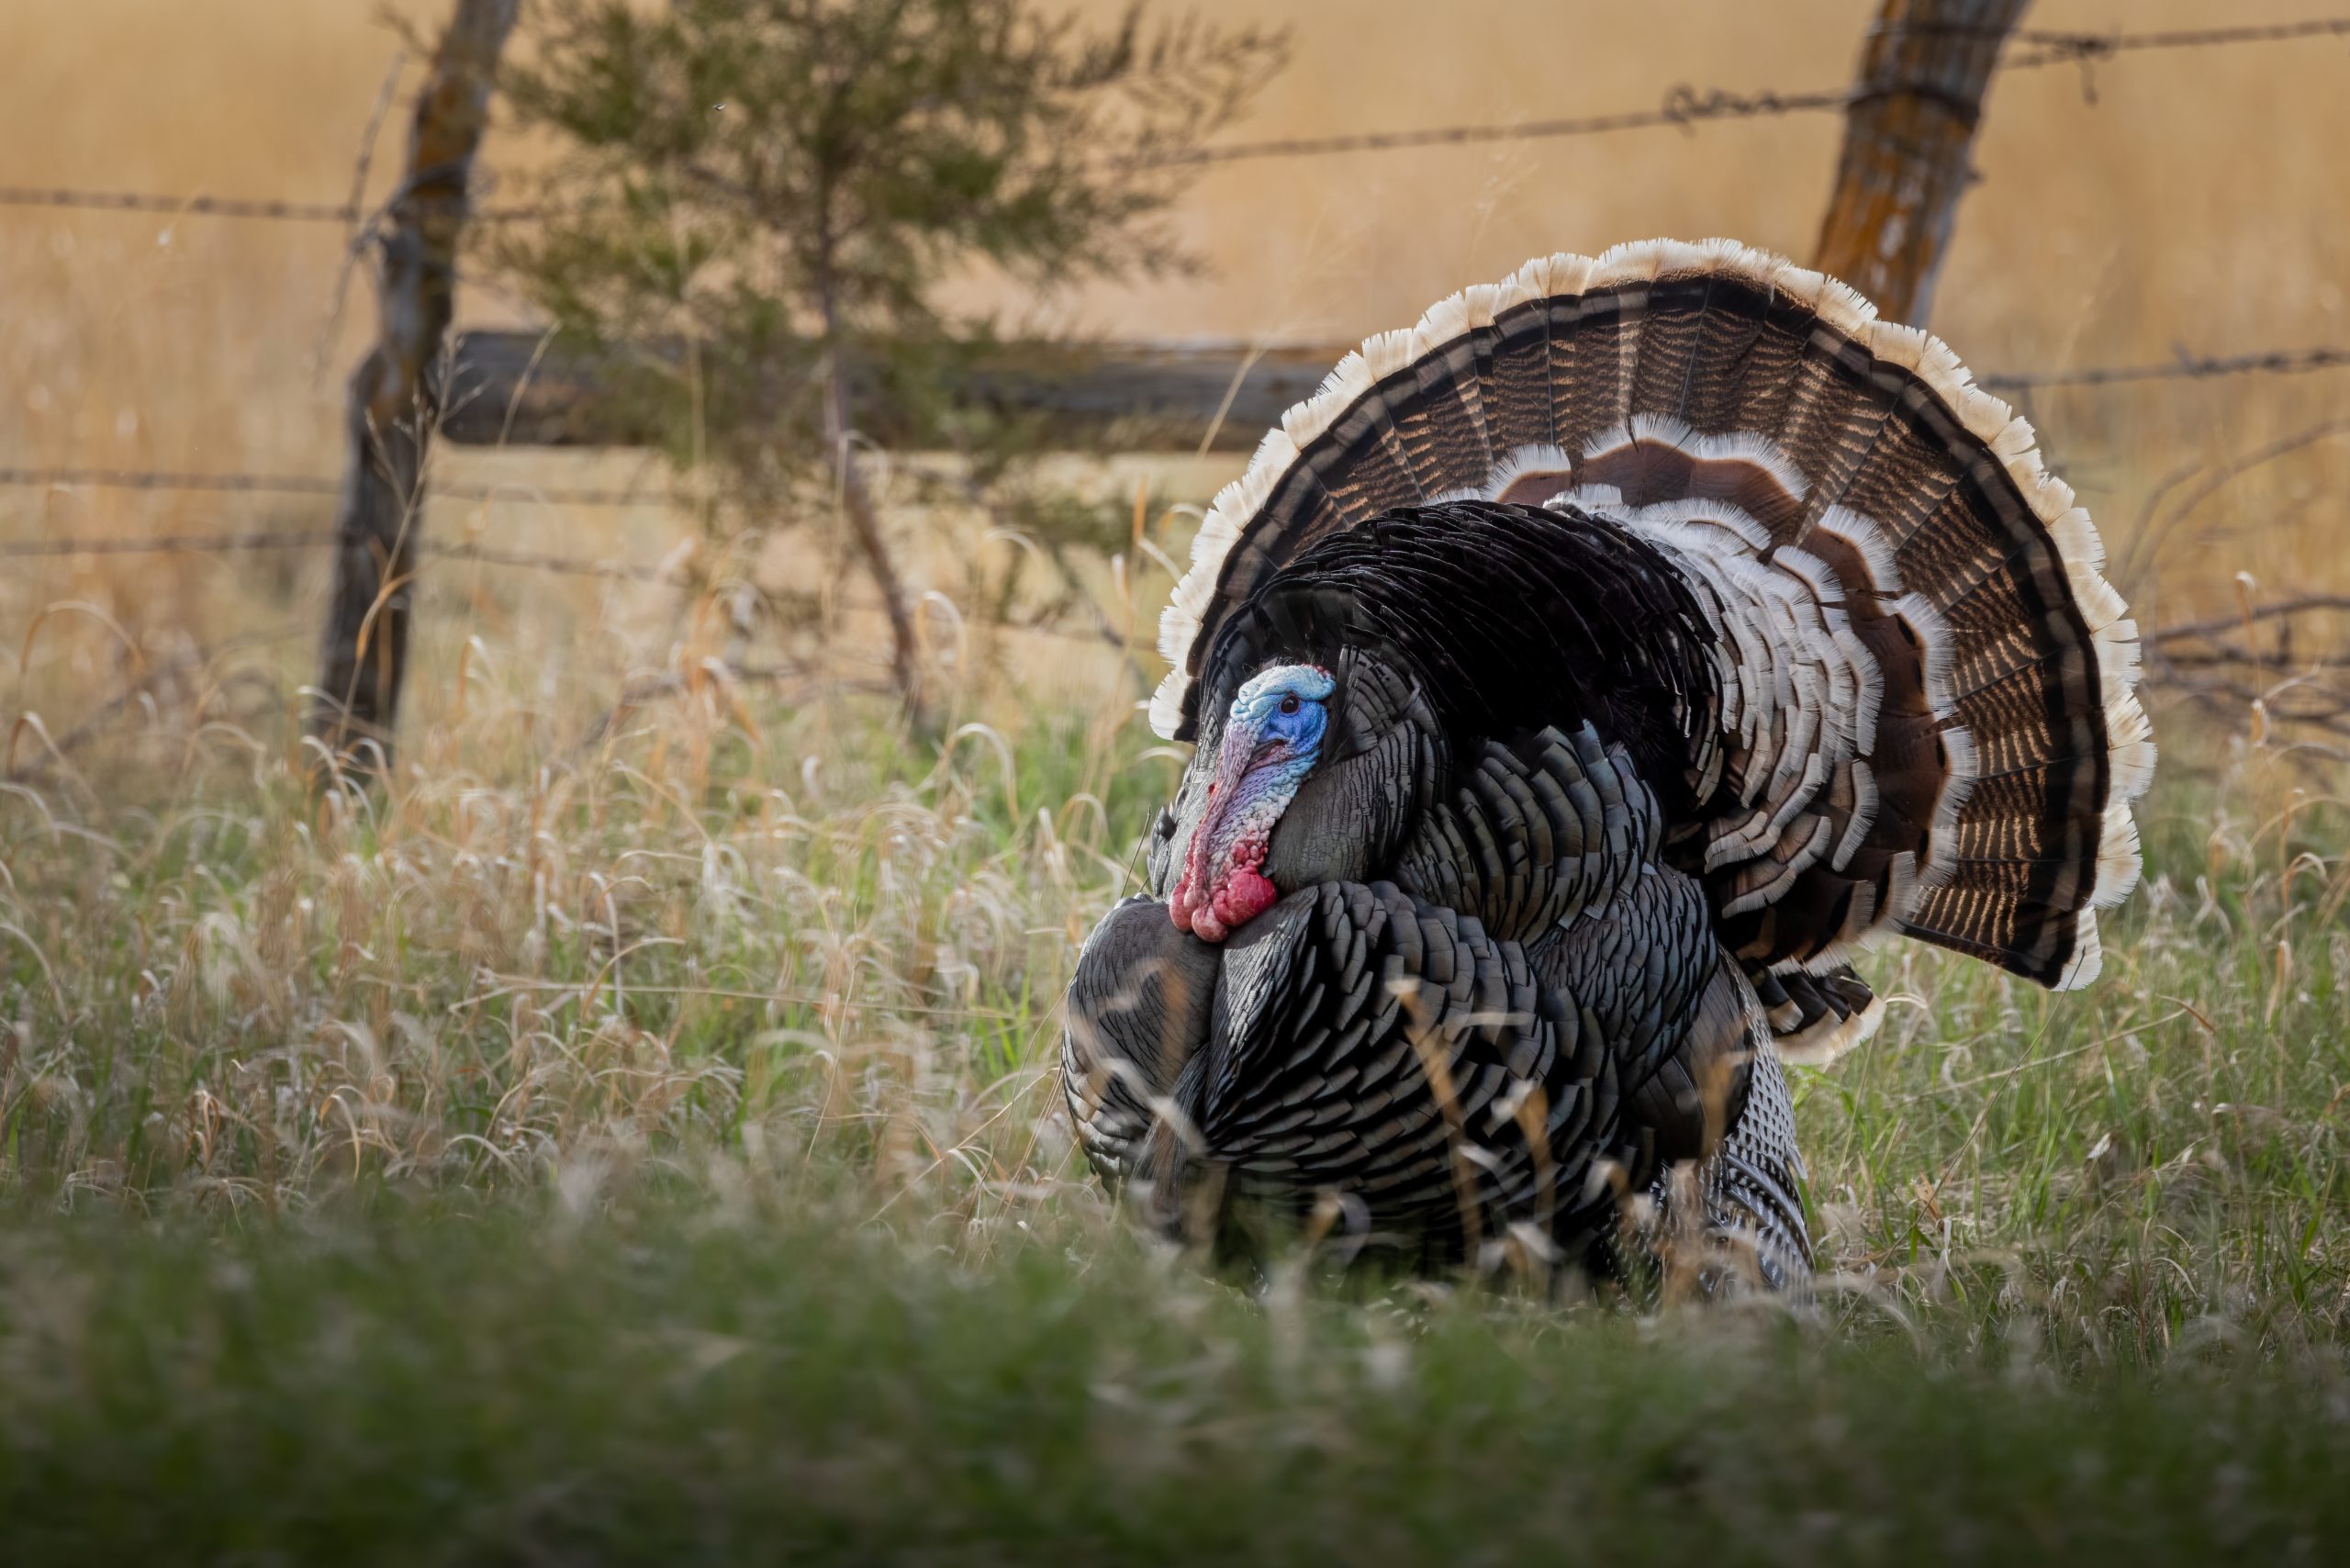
(1926, 721)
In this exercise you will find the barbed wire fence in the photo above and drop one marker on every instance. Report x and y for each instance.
(2198, 645)
(2183, 368)
(1682, 105)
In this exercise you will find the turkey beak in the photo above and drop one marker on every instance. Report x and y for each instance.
(1221, 887)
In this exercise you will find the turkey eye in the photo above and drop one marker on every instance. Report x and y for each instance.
(1289, 704)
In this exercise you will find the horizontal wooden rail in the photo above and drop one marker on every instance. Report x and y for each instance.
(1128, 397)
(1136, 398)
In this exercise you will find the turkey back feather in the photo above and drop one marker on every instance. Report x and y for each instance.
(1919, 715)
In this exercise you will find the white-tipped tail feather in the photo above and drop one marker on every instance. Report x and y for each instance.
(1879, 748)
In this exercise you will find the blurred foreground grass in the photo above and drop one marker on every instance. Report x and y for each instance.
(726, 1377)
(647, 1146)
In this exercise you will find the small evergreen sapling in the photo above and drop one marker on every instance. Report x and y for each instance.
(782, 187)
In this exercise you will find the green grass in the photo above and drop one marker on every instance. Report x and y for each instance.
(722, 1379)
(682, 1382)
(655, 1155)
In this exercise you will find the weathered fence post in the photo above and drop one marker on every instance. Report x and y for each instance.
(1907, 136)
(395, 396)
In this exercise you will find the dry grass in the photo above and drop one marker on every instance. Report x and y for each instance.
(754, 923)
(713, 920)
(647, 1150)
(621, 925)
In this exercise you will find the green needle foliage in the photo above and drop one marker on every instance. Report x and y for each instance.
(759, 201)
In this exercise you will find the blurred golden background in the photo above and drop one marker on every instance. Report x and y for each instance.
(2157, 203)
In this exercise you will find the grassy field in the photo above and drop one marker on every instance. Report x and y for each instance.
(653, 1154)
(633, 1133)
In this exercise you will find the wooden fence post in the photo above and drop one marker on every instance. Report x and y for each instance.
(395, 397)
(1907, 136)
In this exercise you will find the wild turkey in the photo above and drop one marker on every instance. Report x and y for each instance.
(1579, 679)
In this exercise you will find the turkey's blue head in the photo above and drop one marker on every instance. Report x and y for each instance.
(1271, 740)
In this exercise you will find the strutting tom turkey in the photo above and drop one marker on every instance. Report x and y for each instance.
(1578, 680)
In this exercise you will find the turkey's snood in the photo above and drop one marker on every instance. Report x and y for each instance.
(1379, 767)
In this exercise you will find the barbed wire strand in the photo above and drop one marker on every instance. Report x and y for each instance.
(315, 485)
(2079, 42)
(2061, 47)
(1683, 105)
(2281, 363)
(237, 543)
(344, 213)
(534, 561)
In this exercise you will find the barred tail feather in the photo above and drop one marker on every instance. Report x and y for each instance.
(1930, 724)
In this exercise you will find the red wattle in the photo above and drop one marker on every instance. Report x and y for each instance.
(1212, 902)
(1180, 905)
(1219, 891)
(1243, 898)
